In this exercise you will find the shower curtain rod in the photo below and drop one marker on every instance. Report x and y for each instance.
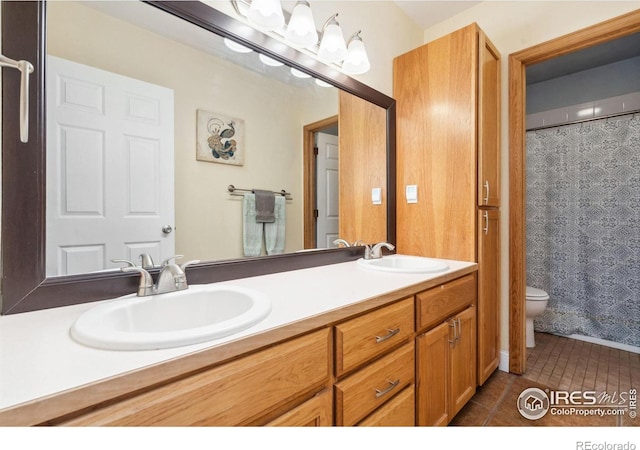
(591, 119)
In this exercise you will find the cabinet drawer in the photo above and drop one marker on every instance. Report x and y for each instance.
(436, 304)
(397, 412)
(365, 337)
(361, 393)
(234, 393)
(316, 412)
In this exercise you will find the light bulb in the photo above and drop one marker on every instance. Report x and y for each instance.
(266, 14)
(301, 30)
(356, 61)
(332, 47)
(233, 45)
(299, 73)
(269, 61)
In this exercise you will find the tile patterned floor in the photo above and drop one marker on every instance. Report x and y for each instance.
(560, 364)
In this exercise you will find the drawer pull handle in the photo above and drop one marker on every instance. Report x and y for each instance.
(389, 335)
(392, 385)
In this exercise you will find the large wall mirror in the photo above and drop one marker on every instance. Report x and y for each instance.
(90, 187)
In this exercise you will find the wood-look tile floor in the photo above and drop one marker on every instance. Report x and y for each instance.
(555, 363)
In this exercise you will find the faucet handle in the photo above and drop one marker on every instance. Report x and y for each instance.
(339, 241)
(188, 263)
(125, 261)
(166, 261)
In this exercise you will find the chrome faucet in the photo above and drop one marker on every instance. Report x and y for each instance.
(171, 278)
(337, 242)
(375, 251)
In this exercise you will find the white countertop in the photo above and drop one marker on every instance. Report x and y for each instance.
(38, 357)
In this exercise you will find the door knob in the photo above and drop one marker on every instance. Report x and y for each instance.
(167, 229)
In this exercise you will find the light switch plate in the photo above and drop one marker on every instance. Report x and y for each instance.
(376, 196)
(411, 192)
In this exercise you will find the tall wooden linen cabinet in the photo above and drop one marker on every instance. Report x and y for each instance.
(448, 152)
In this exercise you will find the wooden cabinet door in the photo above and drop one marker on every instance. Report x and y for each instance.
(432, 375)
(488, 123)
(397, 412)
(316, 412)
(488, 293)
(462, 360)
(436, 113)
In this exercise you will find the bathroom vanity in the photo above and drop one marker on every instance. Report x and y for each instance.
(343, 345)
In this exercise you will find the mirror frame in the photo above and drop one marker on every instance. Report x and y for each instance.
(25, 286)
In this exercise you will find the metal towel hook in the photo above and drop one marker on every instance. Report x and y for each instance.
(25, 68)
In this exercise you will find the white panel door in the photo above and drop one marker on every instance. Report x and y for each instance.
(109, 169)
(327, 190)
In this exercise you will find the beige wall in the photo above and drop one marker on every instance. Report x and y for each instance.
(514, 26)
(208, 219)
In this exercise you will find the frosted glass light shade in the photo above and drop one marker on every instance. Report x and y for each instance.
(298, 73)
(356, 61)
(332, 46)
(301, 30)
(266, 14)
(233, 45)
(269, 61)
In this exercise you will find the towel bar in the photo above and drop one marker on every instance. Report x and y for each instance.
(232, 189)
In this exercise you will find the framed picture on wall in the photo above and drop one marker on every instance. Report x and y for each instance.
(219, 138)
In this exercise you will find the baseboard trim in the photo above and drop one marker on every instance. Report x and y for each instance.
(504, 361)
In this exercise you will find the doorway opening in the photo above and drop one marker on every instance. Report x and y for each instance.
(603, 32)
(320, 219)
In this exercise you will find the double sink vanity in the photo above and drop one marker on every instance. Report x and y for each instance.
(341, 344)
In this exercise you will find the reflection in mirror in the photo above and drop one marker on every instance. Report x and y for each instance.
(363, 131)
(148, 124)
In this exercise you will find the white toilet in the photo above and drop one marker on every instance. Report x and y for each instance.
(536, 303)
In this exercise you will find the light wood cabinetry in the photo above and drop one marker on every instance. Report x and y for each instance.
(397, 412)
(316, 412)
(448, 145)
(488, 293)
(361, 393)
(241, 392)
(446, 351)
(363, 166)
(365, 337)
(377, 370)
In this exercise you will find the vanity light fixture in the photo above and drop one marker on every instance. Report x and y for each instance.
(301, 33)
(356, 61)
(269, 61)
(236, 47)
(323, 83)
(299, 73)
(332, 46)
(301, 30)
(266, 14)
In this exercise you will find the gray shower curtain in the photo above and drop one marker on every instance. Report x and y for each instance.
(583, 227)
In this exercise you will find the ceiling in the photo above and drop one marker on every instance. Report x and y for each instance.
(429, 13)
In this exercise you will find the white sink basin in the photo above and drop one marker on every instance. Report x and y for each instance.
(197, 314)
(404, 264)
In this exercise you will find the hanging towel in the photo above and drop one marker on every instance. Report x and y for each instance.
(274, 233)
(265, 206)
(251, 230)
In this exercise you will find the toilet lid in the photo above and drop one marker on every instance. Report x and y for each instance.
(536, 294)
